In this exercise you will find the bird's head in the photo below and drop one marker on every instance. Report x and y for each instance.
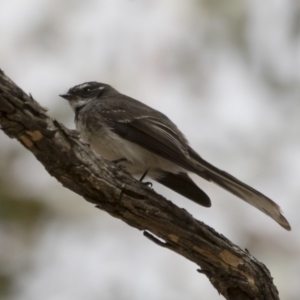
(81, 94)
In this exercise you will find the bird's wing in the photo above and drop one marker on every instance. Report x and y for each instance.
(153, 135)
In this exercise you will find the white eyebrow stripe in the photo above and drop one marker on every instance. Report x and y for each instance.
(84, 85)
(101, 88)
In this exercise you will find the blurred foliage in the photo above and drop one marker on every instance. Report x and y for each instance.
(18, 226)
(230, 16)
(5, 285)
(23, 212)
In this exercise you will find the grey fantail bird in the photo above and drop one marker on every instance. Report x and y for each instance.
(146, 142)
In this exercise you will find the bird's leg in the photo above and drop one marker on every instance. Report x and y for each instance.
(142, 178)
(144, 175)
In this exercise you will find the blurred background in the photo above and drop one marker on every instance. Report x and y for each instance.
(226, 72)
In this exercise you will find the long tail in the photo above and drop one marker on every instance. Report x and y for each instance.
(238, 188)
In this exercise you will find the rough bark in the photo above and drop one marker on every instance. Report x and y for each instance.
(232, 271)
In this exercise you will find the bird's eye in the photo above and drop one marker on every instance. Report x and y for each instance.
(87, 90)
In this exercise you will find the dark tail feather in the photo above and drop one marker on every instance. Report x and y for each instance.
(184, 185)
(238, 188)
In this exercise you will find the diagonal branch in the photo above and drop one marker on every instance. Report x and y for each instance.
(233, 272)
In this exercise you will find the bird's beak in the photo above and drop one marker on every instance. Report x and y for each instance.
(66, 96)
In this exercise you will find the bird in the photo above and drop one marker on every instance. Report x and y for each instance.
(146, 142)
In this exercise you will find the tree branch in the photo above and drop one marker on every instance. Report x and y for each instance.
(233, 272)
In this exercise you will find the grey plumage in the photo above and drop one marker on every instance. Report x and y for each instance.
(117, 126)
